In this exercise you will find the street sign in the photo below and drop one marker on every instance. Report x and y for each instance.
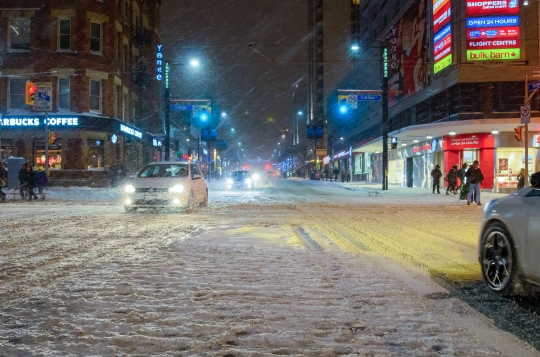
(352, 100)
(42, 98)
(181, 107)
(375, 97)
(534, 85)
(525, 114)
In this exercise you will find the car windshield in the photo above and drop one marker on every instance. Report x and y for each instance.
(240, 174)
(164, 170)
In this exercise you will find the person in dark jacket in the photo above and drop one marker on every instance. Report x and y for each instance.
(3, 181)
(474, 179)
(436, 174)
(22, 179)
(336, 173)
(31, 181)
(452, 180)
(41, 181)
(461, 175)
(521, 179)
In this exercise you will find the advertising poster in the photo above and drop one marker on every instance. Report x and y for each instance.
(442, 38)
(408, 54)
(503, 164)
(492, 30)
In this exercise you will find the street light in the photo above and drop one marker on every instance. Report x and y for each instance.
(223, 114)
(194, 63)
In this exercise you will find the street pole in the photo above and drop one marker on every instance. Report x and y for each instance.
(46, 145)
(385, 115)
(167, 113)
(527, 101)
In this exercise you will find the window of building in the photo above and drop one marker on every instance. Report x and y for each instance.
(6, 149)
(95, 96)
(17, 94)
(19, 34)
(133, 111)
(124, 103)
(63, 93)
(64, 34)
(119, 102)
(55, 154)
(96, 39)
(94, 154)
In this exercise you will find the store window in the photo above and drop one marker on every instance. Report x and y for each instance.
(17, 94)
(55, 154)
(95, 37)
(6, 149)
(63, 93)
(469, 156)
(19, 34)
(95, 153)
(509, 162)
(95, 96)
(64, 35)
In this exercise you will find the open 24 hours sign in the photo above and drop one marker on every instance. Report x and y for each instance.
(492, 29)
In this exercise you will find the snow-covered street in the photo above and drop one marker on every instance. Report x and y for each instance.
(294, 267)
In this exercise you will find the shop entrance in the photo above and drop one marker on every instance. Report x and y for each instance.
(469, 156)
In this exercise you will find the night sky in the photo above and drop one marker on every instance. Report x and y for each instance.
(250, 84)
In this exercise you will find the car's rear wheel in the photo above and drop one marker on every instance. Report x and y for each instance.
(204, 203)
(499, 260)
(130, 209)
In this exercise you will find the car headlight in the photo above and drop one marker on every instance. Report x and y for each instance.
(129, 189)
(255, 177)
(177, 189)
(229, 181)
(248, 181)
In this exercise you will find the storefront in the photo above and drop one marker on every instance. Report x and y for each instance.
(342, 161)
(78, 142)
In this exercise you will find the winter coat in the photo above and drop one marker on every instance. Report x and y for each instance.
(461, 175)
(3, 173)
(474, 175)
(436, 174)
(31, 178)
(452, 176)
(41, 179)
(22, 175)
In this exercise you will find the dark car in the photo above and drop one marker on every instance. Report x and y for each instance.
(241, 179)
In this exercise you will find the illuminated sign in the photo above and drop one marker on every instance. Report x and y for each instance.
(159, 62)
(35, 122)
(493, 33)
(492, 30)
(492, 7)
(420, 149)
(156, 142)
(342, 154)
(492, 54)
(442, 35)
(126, 129)
(385, 62)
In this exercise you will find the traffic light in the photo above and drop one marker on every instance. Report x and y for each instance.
(394, 143)
(30, 92)
(205, 112)
(52, 137)
(342, 102)
(520, 133)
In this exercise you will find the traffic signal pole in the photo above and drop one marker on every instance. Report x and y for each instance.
(526, 138)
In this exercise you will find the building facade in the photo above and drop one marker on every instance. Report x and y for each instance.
(100, 59)
(458, 73)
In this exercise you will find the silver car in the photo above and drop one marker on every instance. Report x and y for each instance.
(174, 184)
(509, 250)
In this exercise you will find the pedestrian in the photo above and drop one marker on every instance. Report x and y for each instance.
(348, 175)
(474, 179)
(436, 174)
(461, 176)
(31, 182)
(113, 175)
(342, 175)
(22, 179)
(41, 181)
(336, 173)
(521, 179)
(451, 177)
(325, 174)
(3, 181)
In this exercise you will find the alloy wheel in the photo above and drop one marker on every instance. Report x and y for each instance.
(498, 260)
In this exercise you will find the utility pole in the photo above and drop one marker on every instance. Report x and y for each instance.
(527, 102)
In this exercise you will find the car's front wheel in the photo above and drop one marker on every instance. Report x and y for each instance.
(190, 202)
(204, 203)
(499, 260)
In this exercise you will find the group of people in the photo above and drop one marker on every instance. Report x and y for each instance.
(457, 178)
(30, 179)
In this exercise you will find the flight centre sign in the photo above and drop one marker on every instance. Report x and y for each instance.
(492, 29)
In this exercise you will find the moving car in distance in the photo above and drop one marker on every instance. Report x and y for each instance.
(242, 180)
(509, 244)
(173, 184)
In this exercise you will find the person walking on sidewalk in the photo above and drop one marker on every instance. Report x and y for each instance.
(336, 173)
(474, 178)
(23, 176)
(452, 178)
(521, 179)
(461, 175)
(41, 181)
(436, 174)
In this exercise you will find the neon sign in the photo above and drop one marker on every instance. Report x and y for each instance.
(442, 38)
(492, 28)
(159, 62)
(35, 122)
(130, 131)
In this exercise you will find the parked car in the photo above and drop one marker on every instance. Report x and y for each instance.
(176, 184)
(509, 244)
(241, 180)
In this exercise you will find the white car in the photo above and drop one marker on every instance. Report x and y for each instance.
(174, 184)
(509, 243)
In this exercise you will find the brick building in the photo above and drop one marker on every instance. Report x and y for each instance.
(99, 57)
